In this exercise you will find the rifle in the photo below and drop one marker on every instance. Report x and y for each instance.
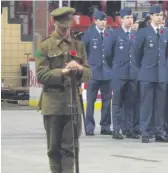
(74, 118)
(83, 111)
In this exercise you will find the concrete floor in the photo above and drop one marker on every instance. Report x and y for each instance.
(24, 149)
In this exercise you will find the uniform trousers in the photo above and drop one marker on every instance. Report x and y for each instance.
(60, 147)
(106, 95)
(124, 94)
(152, 108)
(136, 119)
(166, 110)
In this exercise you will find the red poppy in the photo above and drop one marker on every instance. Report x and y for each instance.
(161, 31)
(131, 37)
(106, 34)
(73, 53)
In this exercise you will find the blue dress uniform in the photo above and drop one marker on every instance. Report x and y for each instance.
(124, 74)
(125, 123)
(136, 118)
(166, 104)
(150, 48)
(96, 44)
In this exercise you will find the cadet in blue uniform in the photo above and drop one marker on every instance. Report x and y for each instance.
(150, 48)
(123, 74)
(166, 104)
(96, 40)
(136, 117)
(125, 123)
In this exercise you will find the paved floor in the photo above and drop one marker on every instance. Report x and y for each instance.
(24, 149)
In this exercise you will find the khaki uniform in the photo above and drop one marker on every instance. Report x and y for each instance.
(56, 97)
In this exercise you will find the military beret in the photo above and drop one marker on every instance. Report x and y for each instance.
(63, 16)
(125, 12)
(155, 9)
(100, 15)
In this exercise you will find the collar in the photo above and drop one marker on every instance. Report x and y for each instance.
(100, 30)
(59, 39)
(155, 27)
(126, 30)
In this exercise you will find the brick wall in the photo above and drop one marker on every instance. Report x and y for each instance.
(12, 51)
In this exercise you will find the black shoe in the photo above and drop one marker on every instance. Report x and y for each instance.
(163, 138)
(124, 132)
(145, 139)
(138, 132)
(105, 132)
(89, 133)
(117, 135)
(132, 135)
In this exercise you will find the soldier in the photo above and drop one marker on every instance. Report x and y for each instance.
(58, 55)
(96, 40)
(150, 48)
(123, 75)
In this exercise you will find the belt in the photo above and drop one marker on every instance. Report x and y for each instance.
(53, 89)
(56, 88)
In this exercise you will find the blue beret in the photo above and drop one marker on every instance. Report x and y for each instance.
(125, 11)
(100, 15)
(155, 9)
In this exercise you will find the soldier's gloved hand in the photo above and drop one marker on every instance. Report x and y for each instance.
(73, 65)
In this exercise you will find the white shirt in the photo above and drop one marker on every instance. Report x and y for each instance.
(155, 27)
(126, 30)
(99, 30)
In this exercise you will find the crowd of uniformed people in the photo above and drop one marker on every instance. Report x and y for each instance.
(130, 68)
(129, 62)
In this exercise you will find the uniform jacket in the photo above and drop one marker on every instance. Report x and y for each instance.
(167, 61)
(150, 54)
(121, 57)
(53, 54)
(96, 48)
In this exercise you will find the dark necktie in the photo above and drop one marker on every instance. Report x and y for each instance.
(157, 32)
(101, 34)
(128, 34)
